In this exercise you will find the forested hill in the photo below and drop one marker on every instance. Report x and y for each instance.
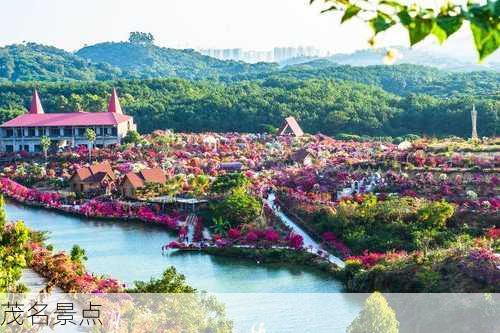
(321, 105)
(35, 62)
(127, 60)
(398, 79)
(150, 61)
(108, 61)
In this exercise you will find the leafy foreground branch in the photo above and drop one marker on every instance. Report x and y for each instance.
(441, 20)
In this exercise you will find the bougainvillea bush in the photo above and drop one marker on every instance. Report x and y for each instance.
(444, 270)
(69, 275)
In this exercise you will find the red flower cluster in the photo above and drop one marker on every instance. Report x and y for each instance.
(494, 233)
(331, 239)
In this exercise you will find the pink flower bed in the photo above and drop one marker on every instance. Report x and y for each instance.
(331, 240)
(22, 193)
(92, 208)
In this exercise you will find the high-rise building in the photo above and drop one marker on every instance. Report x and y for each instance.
(278, 54)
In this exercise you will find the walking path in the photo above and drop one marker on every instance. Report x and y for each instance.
(35, 282)
(37, 293)
(309, 243)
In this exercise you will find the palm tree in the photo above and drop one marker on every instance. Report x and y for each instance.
(91, 137)
(220, 225)
(45, 143)
(173, 186)
(199, 185)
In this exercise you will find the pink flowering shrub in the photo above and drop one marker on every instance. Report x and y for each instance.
(482, 265)
(368, 259)
(198, 231)
(331, 239)
(494, 233)
(295, 241)
(271, 235)
(234, 233)
(252, 236)
(60, 269)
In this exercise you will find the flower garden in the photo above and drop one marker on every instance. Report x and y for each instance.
(428, 206)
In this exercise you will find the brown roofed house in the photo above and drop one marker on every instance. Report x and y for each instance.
(291, 127)
(136, 180)
(94, 178)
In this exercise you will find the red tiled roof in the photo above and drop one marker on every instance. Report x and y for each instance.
(36, 105)
(134, 179)
(96, 172)
(114, 104)
(154, 175)
(102, 167)
(67, 119)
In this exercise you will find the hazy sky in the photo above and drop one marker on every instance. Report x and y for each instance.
(250, 24)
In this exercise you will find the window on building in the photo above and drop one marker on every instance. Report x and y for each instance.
(114, 131)
(54, 132)
(9, 133)
(19, 132)
(81, 132)
(26, 148)
(38, 148)
(9, 148)
(31, 131)
(68, 131)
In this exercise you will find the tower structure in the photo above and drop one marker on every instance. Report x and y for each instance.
(474, 121)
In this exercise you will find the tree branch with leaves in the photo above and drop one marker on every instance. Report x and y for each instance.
(442, 20)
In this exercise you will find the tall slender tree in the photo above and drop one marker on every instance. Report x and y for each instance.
(91, 137)
(3, 215)
(45, 143)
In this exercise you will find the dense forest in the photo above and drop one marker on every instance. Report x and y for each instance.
(186, 91)
(321, 105)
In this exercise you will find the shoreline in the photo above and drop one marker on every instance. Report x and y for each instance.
(286, 257)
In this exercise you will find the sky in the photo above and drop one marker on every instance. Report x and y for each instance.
(247, 24)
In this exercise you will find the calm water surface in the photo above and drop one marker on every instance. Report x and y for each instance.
(132, 251)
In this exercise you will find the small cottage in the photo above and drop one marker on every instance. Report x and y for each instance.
(137, 180)
(96, 178)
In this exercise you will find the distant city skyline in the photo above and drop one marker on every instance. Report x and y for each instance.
(276, 54)
(258, 25)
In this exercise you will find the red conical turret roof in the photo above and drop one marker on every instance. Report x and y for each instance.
(36, 105)
(114, 103)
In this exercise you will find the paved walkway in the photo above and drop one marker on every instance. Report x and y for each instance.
(309, 243)
(36, 284)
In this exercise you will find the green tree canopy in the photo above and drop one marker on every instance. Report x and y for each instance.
(170, 282)
(375, 317)
(143, 38)
(230, 182)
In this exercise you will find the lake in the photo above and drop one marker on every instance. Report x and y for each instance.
(131, 251)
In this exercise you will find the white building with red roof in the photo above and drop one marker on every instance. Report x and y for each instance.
(65, 129)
